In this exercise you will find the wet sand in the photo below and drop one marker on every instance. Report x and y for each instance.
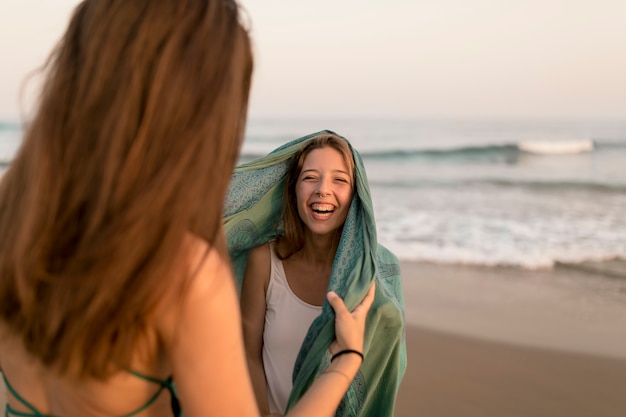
(507, 343)
(458, 376)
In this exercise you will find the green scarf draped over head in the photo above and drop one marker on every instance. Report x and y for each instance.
(253, 215)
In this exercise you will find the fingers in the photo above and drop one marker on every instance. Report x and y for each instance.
(339, 307)
(350, 326)
(336, 303)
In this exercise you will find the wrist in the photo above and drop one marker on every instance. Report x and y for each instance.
(347, 352)
(348, 364)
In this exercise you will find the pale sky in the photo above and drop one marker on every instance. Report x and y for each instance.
(395, 58)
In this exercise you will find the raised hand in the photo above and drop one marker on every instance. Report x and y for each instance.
(350, 326)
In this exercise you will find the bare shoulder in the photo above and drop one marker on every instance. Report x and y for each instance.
(202, 336)
(204, 278)
(258, 267)
(206, 265)
(260, 253)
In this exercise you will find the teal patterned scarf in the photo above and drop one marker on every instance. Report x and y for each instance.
(253, 213)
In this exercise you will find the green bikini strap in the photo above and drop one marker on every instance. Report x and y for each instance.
(10, 410)
(162, 384)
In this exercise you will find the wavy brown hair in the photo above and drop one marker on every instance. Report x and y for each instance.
(137, 130)
(292, 239)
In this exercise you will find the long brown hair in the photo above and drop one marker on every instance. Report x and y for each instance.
(138, 128)
(292, 240)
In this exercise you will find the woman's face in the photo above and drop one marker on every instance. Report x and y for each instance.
(324, 191)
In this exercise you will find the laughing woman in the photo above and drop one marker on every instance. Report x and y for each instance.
(300, 223)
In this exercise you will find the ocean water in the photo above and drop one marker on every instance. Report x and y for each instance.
(523, 194)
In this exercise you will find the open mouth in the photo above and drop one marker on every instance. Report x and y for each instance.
(323, 209)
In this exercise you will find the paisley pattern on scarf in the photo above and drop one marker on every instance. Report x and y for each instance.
(253, 213)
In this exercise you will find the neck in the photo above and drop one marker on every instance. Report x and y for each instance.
(320, 250)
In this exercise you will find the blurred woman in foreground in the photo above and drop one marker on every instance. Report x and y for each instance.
(114, 277)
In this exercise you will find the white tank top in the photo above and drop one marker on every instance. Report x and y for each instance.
(287, 320)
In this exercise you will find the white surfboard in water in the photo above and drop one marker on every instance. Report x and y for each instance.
(560, 147)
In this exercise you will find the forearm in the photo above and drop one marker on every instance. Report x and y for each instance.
(257, 375)
(323, 397)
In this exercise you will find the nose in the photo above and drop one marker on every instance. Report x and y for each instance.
(324, 189)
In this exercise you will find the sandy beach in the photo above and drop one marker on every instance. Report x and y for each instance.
(505, 342)
(508, 342)
(450, 376)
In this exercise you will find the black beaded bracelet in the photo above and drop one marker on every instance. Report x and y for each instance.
(343, 352)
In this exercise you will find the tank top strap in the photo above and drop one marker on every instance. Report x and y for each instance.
(277, 270)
